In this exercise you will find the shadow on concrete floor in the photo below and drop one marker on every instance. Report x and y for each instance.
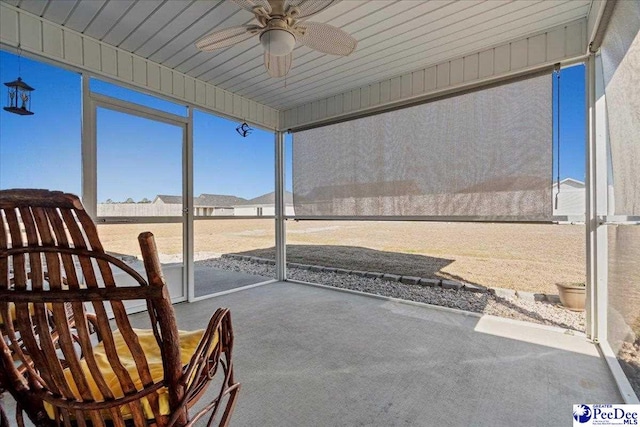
(360, 258)
(210, 280)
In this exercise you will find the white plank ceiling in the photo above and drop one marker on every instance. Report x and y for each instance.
(394, 37)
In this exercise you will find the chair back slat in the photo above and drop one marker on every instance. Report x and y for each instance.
(86, 237)
(103, 328)
(38, 234)
(78, 316)
(12, 340)
(4, 261)
(86, 345)
(60, 234)
(52, 339)
(20, 281)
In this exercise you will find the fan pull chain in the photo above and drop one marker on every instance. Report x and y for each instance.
(557, 72)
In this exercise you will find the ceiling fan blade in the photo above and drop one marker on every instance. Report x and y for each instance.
(278, 66)
(326, 38)
(226, 37)
(250, 5)
(306, 8)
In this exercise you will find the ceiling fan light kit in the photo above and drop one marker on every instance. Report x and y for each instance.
(277, 42)
(280, 24)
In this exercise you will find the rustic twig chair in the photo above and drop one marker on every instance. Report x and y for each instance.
(58, 371)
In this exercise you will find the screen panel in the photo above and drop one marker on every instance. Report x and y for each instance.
(623, 285)
(139, 165)
(621, 68)
(486, 153)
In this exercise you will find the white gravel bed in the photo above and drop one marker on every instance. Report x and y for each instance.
(539, 312)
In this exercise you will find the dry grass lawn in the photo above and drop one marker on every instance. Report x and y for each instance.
(518, 256)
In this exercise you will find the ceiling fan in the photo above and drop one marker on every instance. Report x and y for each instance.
(280, 24)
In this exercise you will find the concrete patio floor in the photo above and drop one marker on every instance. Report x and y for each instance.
(311, 356)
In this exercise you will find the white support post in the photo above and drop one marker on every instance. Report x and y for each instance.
(89, 151)
(187, 205)
(596, 203)
(281, 238)
(601, 214)
(591, 222)
(601, 188)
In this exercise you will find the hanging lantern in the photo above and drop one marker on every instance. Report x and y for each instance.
(19, 97)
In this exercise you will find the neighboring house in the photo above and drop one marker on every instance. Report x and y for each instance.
(570, 201)
(264, 205)
(162, 199)
(215, 204)
(203, 205)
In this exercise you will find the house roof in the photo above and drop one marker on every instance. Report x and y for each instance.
(572, 182)
(270, 199)
(223, 200)
(217, 200)
(170, 200)
(364, 189)
(204, 200)
(507, 183)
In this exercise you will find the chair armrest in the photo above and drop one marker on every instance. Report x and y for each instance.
(212, 356)
(206, 356)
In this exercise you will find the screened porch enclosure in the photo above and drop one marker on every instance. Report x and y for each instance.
(444, 113)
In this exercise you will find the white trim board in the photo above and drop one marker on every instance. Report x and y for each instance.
(562, 44)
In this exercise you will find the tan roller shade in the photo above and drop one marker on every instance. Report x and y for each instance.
(621, 66)
(486, 153)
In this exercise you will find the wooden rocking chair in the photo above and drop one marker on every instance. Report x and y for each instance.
(58, 371)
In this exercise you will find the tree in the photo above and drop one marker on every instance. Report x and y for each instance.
(145, 200)
(109, 201)
(129, 200)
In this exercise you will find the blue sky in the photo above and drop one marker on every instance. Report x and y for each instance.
(572, 118)
(43, 150)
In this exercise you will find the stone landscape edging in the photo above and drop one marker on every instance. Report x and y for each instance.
(412, 280)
